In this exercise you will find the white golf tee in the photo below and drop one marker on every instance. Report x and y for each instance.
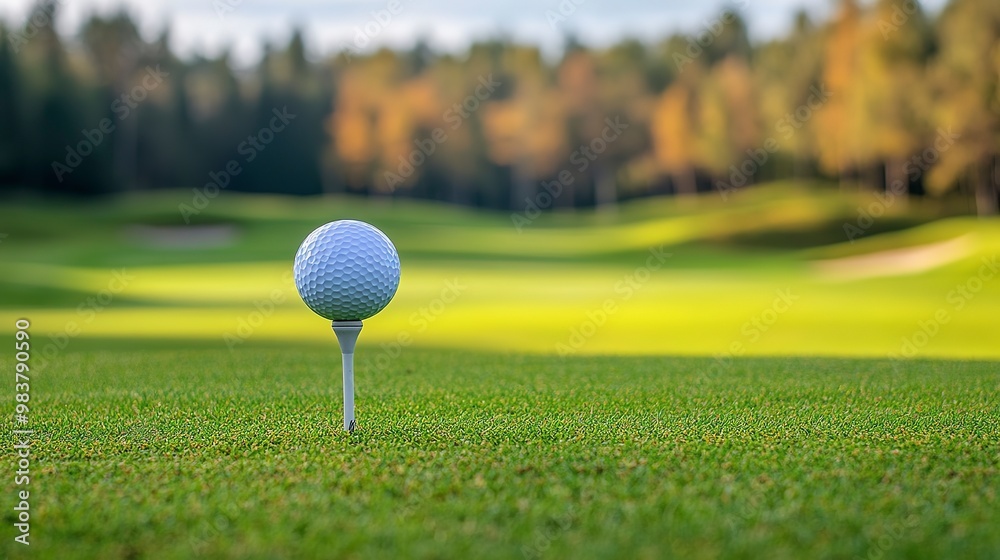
(347, 335)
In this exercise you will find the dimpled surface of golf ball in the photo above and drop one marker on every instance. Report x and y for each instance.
(346, 270)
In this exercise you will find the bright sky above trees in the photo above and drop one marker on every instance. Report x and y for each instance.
(197, 25)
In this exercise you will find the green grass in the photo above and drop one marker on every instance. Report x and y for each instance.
(212, 454)
(527, 290)
(154, 440)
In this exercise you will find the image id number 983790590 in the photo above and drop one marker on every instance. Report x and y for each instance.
(22, 434)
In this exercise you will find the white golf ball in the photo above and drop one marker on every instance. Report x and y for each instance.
(346, 270)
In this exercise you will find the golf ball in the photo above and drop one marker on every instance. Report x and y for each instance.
(346, 270)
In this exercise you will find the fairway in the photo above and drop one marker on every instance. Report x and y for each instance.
(212, 454)
(729, 379)
(760, 274)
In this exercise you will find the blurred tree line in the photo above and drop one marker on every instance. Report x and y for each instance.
(881, 97)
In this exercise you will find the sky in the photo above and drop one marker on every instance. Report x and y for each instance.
(211, 26)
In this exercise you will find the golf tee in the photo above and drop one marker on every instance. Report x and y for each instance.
(349, 391)
(347, 335)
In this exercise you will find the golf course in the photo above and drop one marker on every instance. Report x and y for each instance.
(787, 372)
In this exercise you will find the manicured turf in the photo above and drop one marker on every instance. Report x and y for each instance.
(472, 280)
(212, 454)
(154, 440)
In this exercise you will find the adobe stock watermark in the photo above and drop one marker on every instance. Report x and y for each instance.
(711, 30)
(581, 158)
(39, 18)
(366, 33)
(901, 13)
(754, 329)
(740, 174)
(424, 148)
(543, 537)
(88, 311)
(420, 320)
(225, 7)
(914, 168)
(263, 309)
(957, 299)
(752, 504)
(219, 524)
(625, 289)
(140, 432)
(250, 149)
(892, 535)
(122, 107)
(563, 12)
(22, 418)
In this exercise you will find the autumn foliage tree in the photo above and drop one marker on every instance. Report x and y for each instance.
(882, 95)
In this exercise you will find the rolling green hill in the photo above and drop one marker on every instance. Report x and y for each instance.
(768, 272)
